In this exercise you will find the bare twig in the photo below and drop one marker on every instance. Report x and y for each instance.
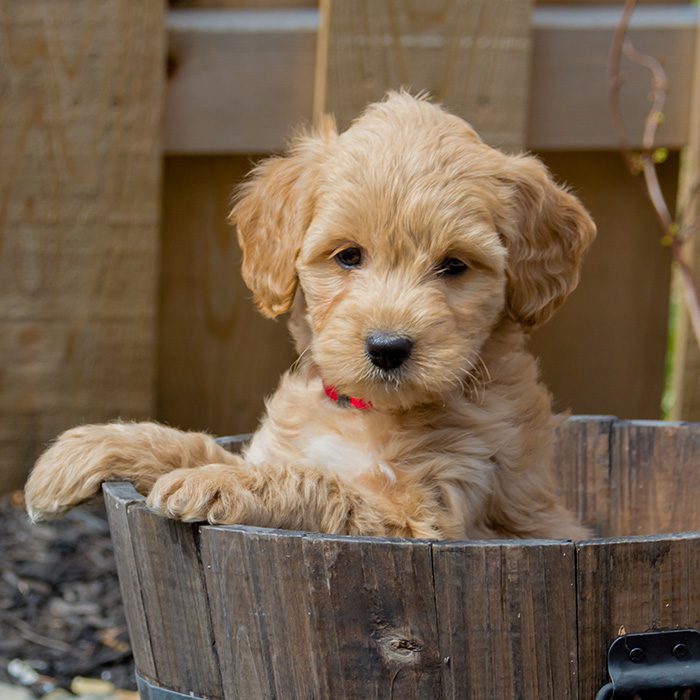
(674, 234)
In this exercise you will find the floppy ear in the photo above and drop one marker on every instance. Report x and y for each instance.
(546, 231)
(271, 212)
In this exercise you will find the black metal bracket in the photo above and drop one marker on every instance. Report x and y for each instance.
(150, 691)
(651, 663)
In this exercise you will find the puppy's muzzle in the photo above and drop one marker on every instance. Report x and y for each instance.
(388, 351)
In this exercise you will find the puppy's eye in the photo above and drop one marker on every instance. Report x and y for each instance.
(451, 267)
(349, 258)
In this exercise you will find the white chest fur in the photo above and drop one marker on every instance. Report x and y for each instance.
(338, 454)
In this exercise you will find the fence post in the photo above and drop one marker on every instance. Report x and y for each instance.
(80, 149)
(686, 384)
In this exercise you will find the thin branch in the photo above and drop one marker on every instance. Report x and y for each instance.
(674, 234)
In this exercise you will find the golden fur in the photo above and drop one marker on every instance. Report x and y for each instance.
(458, 443)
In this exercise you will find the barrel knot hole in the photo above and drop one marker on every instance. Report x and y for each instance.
(399, 648)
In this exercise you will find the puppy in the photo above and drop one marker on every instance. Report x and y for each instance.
(415, 260)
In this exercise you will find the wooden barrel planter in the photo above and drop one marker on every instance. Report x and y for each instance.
(244, 613)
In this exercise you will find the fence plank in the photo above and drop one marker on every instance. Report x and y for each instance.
(252, 109)
(582, 465)
(507, 619)
(82, 87)
(365, 607)
(471, 56)
(175, 601)
(632, 585)
(604, 350)
(211, 109)
(218, 356)
(118, 497)
(655, 479)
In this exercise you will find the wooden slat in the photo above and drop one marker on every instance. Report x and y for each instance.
(507, 619)
(239, 81)
(604, 350)
(686, 380)
(244, 4)
(375, 617)
(572, 45)
(257, 584)
(238, 89)
(175, 603)
(270, 4)
(655, 478)
(218, 357)
(80, 135)
(118, 497)
(580, 3)
(474, 57)
(315, 616)
(632, 585)
(582, 464)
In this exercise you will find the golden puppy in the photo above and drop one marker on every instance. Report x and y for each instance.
(415, 259)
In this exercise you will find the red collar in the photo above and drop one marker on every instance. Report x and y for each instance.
(343, 400)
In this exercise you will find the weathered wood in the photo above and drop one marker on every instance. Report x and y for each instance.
(632, 585)
(582, 464)
(257, 586)
(374, 617)
(471, 56)
(655, 478)
(212, 108)
(238, 612)
(256, 583)
(80, 120)
(604, 350)
(218, 357)
(175, 603)
(118, 497)
(315, 616)
(507, 619)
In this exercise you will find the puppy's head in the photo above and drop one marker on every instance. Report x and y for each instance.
(409, 239)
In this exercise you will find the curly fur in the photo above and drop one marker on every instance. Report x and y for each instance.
(458, 444)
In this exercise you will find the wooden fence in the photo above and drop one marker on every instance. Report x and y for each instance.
(107, 309)
(238, 612)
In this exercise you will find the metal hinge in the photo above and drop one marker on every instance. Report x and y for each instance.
(150, 691)
(653, 662)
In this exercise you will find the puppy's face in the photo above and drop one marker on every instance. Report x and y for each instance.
(409, 239)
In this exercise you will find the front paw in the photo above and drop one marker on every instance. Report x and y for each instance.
(215, 493)
(67, 474)
(76, 464)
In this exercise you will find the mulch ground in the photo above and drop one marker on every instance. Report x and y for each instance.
(60, 607)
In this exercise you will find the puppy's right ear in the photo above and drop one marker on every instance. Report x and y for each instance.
(272, 211)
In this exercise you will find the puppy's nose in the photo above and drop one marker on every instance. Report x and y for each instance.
(388, 351)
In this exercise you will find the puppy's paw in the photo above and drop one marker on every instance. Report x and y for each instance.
(64, 475)
(76, 464)
(215, 493)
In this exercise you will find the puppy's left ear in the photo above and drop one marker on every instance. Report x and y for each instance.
(546, 230)
(272, 211)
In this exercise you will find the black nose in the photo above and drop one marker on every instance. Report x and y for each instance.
(388, 351)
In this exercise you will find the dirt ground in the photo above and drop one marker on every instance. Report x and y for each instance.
(61, 615)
